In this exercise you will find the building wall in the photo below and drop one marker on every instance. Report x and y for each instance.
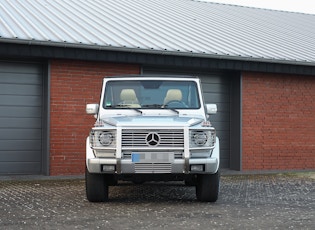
(278, 121)
(73, 85)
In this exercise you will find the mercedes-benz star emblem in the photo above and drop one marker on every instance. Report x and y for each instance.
(153, 139)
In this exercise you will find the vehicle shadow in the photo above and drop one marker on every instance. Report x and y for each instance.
(152, 192)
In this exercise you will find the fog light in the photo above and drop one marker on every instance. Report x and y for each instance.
(108, 168)
(197, 168)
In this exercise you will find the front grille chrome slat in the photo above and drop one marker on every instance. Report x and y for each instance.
(161, 138)
(153, 168)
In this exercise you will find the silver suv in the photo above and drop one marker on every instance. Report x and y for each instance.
(152, 128)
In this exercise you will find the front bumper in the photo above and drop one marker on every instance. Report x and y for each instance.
(178, 166)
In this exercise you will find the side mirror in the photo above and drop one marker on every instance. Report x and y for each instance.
(211, 108)
(92, 109)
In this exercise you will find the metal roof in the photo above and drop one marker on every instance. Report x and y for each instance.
(175, 27)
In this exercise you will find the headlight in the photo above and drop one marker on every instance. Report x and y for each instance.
(103, 138)
(200, 138)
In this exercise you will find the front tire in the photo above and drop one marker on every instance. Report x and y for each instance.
(96, 187)
(207, 188)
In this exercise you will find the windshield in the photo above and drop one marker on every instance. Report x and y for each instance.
(151, 94)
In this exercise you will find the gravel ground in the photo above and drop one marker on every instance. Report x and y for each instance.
(274, 201)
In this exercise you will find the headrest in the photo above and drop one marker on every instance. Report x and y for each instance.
(128, 95)
(173, 95)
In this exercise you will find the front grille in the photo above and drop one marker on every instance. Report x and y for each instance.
(153, 168)
(153, 138)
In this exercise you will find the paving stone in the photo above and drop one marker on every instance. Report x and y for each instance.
(275, 201)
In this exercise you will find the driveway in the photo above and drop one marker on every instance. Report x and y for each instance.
(274, 201)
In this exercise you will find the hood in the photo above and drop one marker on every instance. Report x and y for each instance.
(152, 121)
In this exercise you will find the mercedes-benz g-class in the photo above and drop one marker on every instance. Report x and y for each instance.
(152, 128)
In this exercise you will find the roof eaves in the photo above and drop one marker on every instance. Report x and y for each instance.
(158, 52)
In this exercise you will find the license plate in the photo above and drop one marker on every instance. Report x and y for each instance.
(149, 157)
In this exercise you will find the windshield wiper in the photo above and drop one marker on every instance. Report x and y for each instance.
(153, 106)
(174, 110)
(138, 110)
(125, 107)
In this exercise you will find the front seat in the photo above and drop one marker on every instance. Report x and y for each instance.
(173, 95)
(129, 98)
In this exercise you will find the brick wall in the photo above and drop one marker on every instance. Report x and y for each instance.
(278, 124)
(73, 85)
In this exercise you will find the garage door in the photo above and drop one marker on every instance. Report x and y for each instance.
(216, 89)
(20, 118)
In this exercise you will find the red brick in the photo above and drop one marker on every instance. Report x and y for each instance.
(73, 85)
(278, 121)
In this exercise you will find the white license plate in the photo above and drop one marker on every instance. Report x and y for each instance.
(160, 157)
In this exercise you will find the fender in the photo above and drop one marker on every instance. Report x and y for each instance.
(89, 152)
(216, 152)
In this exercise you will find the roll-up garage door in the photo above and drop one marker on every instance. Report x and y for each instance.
(216, 89)
(21, 90)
